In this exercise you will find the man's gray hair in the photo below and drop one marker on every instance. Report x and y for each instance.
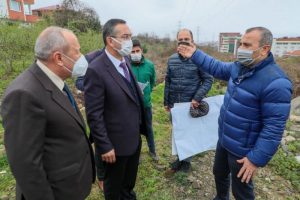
(51, 39)
(266, 35)
(185, 29)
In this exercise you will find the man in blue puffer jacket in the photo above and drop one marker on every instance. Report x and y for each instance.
(253, 116)
(184, 82)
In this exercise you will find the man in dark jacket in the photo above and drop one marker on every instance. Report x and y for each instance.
(144, 71)
(115, 114)
(45, 135)
(253, 116)
(184, 82)
(79, 85)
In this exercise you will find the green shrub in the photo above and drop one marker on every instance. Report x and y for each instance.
(286, 166)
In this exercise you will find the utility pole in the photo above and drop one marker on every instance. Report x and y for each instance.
(179, 25)
(198, 34)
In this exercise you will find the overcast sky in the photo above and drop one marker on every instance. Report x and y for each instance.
(164, 17)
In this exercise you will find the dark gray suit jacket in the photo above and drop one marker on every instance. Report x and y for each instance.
(115, 117)
(45, 139)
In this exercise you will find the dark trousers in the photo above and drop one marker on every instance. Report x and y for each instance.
(120, 177)
(150, 136)
(99, 165)
(226, 164)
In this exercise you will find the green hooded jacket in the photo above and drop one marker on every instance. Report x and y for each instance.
(144, 72)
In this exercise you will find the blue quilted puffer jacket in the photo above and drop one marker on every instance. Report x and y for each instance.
(255, 109)
(185, 81)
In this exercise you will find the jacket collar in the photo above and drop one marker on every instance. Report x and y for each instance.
(268, 60)
(246, 72)
(138, 64)
(117, 77)
(57, 95)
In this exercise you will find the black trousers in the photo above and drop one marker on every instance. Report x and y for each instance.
(150, 136)
(120, 177)
(99, 165)
(226, 164)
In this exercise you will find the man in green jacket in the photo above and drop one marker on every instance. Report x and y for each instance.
(144, 72)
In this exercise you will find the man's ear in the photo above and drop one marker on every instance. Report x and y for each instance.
(109, 41)
(57, 57)
(266, 49)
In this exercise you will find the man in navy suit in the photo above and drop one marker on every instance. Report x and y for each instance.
(115, 114)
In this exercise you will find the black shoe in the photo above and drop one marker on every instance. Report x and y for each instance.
(176, 165)
(185, 166)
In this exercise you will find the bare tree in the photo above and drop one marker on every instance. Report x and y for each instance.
(77, 16)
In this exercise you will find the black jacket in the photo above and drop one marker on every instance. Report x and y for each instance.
(45, 140)
(185, 81)
(114, 114)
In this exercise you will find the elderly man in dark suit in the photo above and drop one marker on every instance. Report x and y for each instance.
(114, 108)
(45, 135)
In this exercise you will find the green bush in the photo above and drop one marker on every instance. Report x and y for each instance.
(287, 166)
(17, 47)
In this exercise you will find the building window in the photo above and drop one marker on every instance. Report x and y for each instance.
(15, 6)
(27, 9)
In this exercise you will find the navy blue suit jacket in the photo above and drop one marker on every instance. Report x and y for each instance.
(113, 113)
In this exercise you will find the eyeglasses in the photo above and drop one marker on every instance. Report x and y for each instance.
(123, 37)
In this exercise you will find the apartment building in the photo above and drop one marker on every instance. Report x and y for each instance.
(17, 10)
(285, 45)
(228, 42)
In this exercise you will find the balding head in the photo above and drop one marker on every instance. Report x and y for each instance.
(52, 39)
(184, 33)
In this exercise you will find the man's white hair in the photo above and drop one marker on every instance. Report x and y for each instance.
(51, 39)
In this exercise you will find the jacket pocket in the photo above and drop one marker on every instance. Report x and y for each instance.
(64, 172)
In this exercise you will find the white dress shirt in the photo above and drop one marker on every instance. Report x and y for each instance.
(52, 76)
(116, 63)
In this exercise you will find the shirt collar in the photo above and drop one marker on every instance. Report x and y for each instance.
(114, 60)
(52, 76)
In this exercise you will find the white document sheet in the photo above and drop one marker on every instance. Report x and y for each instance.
(143, 85)
(191, 136)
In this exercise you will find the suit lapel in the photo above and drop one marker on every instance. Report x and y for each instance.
(134, 79)
(117, 77)
(64, 103)
(57, 95)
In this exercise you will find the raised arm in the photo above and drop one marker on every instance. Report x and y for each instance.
(216, 68)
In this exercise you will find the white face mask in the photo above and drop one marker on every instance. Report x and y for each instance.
(244, 56)
(126, 47)
(80, 66)
(136, 57)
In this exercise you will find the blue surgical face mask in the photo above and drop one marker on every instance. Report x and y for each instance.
(80, 66)
(245, 56)
(126, 47)
(136, 57)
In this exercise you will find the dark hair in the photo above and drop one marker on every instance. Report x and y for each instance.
(109, 28)
(266, 35)
(185, 29)
(136, 43)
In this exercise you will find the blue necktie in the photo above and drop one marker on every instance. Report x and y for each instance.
(70, 96)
